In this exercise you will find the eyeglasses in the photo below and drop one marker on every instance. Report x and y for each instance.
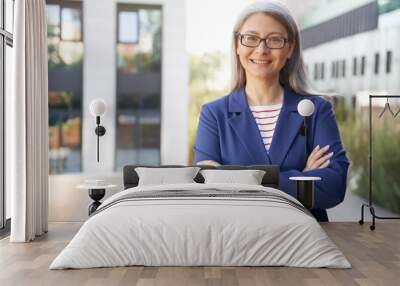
(272, 42)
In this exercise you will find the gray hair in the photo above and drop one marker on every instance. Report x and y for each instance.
(293, 74)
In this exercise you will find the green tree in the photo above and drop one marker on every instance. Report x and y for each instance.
(386, 156)
(203, 72)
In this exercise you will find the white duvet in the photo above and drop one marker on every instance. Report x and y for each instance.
(200, 231)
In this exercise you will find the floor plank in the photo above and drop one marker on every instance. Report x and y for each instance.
(374, 255)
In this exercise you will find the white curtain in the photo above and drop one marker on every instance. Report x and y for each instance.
(28, 123)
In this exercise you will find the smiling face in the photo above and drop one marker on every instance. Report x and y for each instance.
(262, 62)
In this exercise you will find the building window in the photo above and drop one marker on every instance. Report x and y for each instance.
(138, 102)
(322, 71)
(362, 72)
(354, 66)
(353, 102)
(65, 58)
(388, 61)
(336, 69)
(376, 67)
(6, 44)
(128, 19)
(70, 24)
(316, 71)
(343, 68)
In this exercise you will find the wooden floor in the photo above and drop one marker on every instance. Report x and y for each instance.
(374, 255)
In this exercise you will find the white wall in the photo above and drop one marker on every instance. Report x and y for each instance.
(66, 203)
(175, 85)
(99, 81)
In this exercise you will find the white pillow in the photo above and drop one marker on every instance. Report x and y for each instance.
(164, 176)
(248, 177)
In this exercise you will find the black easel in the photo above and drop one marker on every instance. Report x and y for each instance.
(369, 205)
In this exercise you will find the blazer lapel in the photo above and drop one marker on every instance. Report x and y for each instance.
(287, 127)
(244, 125)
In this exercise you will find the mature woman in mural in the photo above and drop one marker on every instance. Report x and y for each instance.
(258, 122)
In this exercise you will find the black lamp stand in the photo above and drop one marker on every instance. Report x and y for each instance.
(305, 193)
(305, 189)
(303, 132)
(100, 131)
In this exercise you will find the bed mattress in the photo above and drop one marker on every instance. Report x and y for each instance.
(201, 225)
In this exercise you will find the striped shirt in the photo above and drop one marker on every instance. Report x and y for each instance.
(266, 117)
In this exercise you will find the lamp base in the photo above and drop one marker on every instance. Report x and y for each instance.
(305, 193)
(96, 195)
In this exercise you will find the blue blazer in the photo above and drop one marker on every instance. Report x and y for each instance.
(228, 134)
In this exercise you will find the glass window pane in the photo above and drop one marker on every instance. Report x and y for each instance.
(53, 21)
(53, 53)
(376, 69)
(70, 24)
(9, 9)
(71, 52)
(145, 55)
(65, 115)
(8, 69)
(139, 90)
(65, 56)
(128, 27)
(388, 61)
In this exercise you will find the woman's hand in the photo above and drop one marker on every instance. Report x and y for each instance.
(209, 162)
(317, 159)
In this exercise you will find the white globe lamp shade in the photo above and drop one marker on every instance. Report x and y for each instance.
(97, 107)
(305, 107)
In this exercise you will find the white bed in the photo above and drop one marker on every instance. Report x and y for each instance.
(206, 230)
